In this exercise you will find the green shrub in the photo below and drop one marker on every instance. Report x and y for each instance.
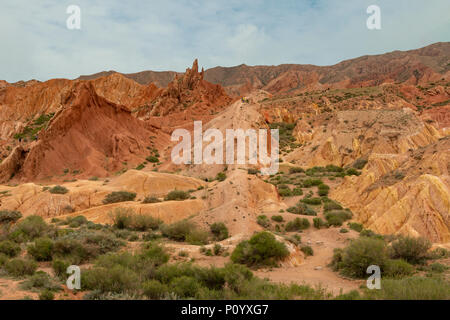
(153, 289)
(337, 218)
(412, 250)
(151, 200)
(221, 176)
(116, 279)
(397, 268)
(370, 234)
(184, 286)
(124, 218)
(197, 237)
(58, 190)
(184, 231)
(119, 196)
(152, 159)
(323, 190)
(60, 268)
(285, 192)
(319, 223)
(3, 259)
(352, 172)
(41, 250)
(261, 250)
(219, 231)
(177, 195)
(46, 295)
(9, 248)
(307, 250)
(29, 228)
(297, 224)
(277, 218)
(312, 201)
(359, 163)
(252, 171)
(438, 267)
(355, 226)
(360, 254)
(296, 170)
(70, 249)
(343, 230)
(19, 267)
(40, 280)
(76, 221)
(263, 221)
(7, 216)
(413, 288)
(331, 205)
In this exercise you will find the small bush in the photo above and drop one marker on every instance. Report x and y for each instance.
(151, 200)
(184, 286)
(296, 170)
(397, 268)
(41, 250)
(297, 224)
(277, 218)
(77, 221)
(128, 219)
(119, 196)
(116, 279)
(319, 223)
(197, 237)
(412, 250)
(263, 221)
(46, 295)
(261, 250)
(219, 231)
(337, 218)
(184, 231)
(355, 226)
(60, 268)
(312, 201)
(361, 253)
(221, 176)
(152, 159)
(331, 205)
(307, 250)
(177, 195)
(438, 267)
(7, 216)
(252, 171)
(58, 190)
(153, 289)
(40, 280)
(20, 267)
(9, 248)
(413, 288)
(28, 229)
(343, 230)
(352, 172)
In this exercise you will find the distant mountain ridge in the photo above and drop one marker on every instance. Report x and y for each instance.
(413, 66)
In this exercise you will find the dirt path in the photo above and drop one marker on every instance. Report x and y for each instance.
(314, 270)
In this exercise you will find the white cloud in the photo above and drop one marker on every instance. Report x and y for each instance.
(131, 36)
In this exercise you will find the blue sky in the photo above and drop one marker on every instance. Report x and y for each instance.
(136, 35)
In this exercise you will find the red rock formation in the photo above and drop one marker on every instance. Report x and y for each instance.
(91, 135)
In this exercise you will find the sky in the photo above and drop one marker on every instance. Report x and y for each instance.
(137, 35)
